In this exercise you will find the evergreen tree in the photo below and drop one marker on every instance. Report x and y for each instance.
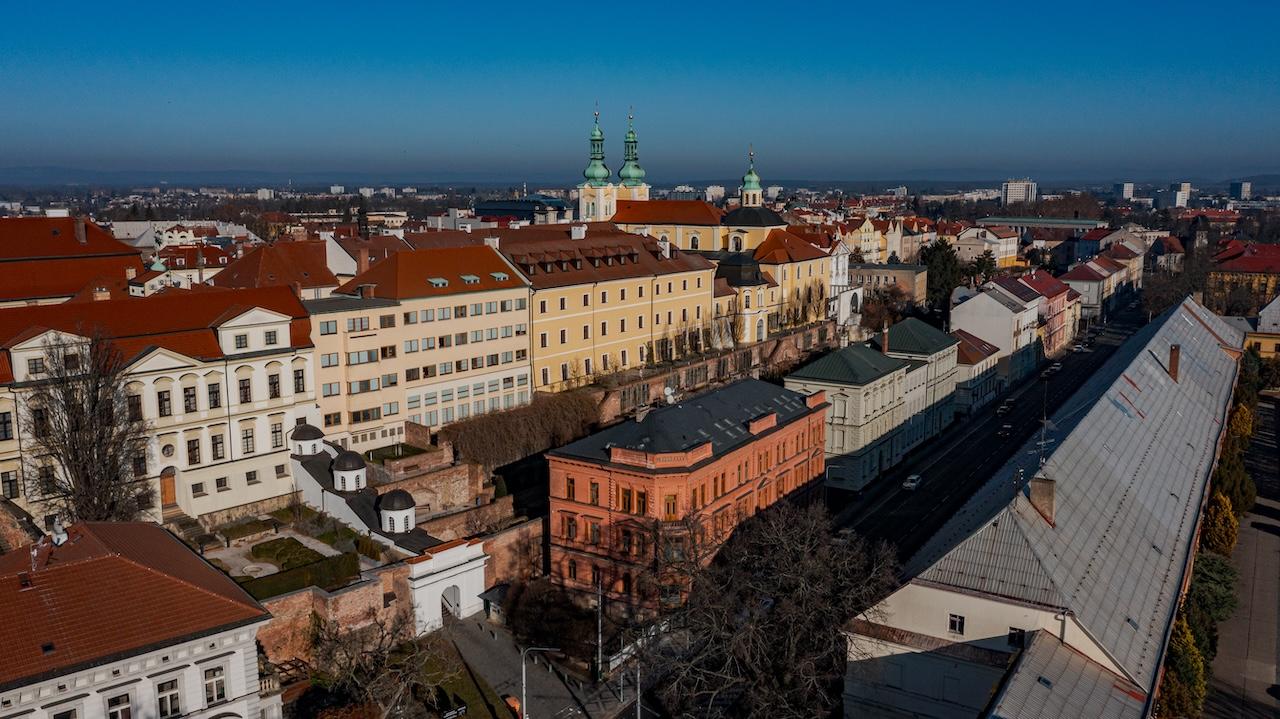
(1220, 526)
(945, 272)
(1183, 688)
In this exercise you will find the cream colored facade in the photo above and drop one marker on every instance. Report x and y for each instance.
(594, 328)
(428, 360)
(218, 429)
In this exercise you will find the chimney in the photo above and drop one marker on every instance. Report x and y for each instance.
(578, 232)
(1175, 356)
(884, 338)
(1041, 493)
(80, 235)
(130, 272)
(362, 260)
(101, 293)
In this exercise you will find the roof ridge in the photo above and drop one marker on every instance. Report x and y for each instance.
(180, 580)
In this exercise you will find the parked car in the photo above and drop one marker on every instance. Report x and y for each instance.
(1004, 408)
(910, 483)
(1077, 348)
(1055, 367)
(1006, 431)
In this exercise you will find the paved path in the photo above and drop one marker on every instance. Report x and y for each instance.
(1245, 683)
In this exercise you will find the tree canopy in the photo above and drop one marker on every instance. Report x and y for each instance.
(945, 272)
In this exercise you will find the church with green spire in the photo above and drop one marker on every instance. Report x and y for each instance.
(598, 195)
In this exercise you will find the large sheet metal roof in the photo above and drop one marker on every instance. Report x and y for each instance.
(1131, 458)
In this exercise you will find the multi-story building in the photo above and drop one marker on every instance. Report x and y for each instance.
(219, 376)
(1057, 330)
(1054, 590)
(602, 299)
(1008, 323)
(918, 342)
(1262, 333)
(428, 336)
(978, 380)
(301, 265)
(1013, 192)
(1249, 270)
(1002, 242)
(627, 497)
(1241, 190)
(46, 260)
(119, 620)
(1122, 190)
(913, 280)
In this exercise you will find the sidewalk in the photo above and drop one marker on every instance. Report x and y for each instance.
(1245, 683)
(494, 655)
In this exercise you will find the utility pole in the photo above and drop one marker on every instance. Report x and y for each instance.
(639, 693)
(524, 708)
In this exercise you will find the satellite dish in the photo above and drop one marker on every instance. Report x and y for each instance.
(670, 395)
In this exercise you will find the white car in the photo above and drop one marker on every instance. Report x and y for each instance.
(910, 483)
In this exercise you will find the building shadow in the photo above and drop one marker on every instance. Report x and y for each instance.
(1224, 702)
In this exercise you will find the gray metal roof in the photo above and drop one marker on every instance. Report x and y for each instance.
(1130, 462)
(1052, 680)
(858, 364)
(344, 303)
(720, 416)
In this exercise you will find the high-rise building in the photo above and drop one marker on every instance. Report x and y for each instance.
(1241, 190)
(336, 189)
(1181, 187)
(1015, 191)
(1123, 190)
(773, 192)
(266, 193)
(715, 193)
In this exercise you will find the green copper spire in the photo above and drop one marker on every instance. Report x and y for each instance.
(631, 173)
(751, 181)
(596, 173)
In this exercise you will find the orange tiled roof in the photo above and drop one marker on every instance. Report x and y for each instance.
(111, 590)
(667, 212)
(34, 238)
(782, 246)
(972, 349)
(62, 277)
(284, 263)
(179, 320)
(409, 273)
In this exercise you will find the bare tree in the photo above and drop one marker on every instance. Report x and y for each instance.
(760, 633)
(86, 436)
(381, 664)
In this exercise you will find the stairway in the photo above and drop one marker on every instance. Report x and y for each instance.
(178, 522)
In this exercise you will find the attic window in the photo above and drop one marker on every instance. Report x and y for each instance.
(47, 648)
(438, 281)
(499, 276)
(470, 279)
(1045, 681)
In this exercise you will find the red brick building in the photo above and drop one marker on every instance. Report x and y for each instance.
(700, 465)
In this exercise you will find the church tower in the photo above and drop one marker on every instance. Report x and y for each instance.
(752, 195)
(632, 175)
(597, 196)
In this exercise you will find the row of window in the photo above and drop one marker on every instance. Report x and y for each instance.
(387, 321)
(622, 295)
(464, 410)
(190, 399)
(270, 338)
(247, 444)
(359, 357)
(168, 699)
(414, 374)
(222, 484)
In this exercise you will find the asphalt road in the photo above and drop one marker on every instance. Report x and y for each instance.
(954, 465)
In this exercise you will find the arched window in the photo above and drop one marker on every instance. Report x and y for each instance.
(693, 242)
(759, 330)
(737, 244)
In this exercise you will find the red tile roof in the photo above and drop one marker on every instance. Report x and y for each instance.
(1103, 262)
(111, 590)
(1082, 272)
(190, 255)
(1121, 251)
(1096, 234)
(1044, 283)
(409, 273)
(549, 257)
(183, 321)
(781, 246)
(667, 212)
(1002, 231)
(973, 349)
(35, 238)
(1171, 245)
(1253, 258)
(379, 247)
(54, 278)
(1023, 292)
(284, 263)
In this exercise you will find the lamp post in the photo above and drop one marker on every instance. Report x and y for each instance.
(524, 709)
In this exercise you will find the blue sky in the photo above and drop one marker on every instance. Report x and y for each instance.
(505, 91)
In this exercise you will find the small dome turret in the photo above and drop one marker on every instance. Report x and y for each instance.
(631, 173)
(307, 440)
(397, 511)
(350, 474)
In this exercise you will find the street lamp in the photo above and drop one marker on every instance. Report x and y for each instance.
(524, 708)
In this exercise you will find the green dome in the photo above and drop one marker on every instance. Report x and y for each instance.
(631, 173)
(158, 265)
(596, 173)
(751, 181)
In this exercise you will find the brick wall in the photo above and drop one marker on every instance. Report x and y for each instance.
(287, 635)
(243, 511)
(515, 553)
(453, 487)
(470, 522)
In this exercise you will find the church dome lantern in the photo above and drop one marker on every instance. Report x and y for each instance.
(397, 511)
(307, 440)
(350, 474)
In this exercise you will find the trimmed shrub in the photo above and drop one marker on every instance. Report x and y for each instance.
(328, 573)
(1185, 685)
(285, 552)
(244, 529)
(369, 547)
(1220, 526)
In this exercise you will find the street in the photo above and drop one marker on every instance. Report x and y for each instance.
(954, 465)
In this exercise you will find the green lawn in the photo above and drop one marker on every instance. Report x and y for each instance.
(467, 686)
(395, 451)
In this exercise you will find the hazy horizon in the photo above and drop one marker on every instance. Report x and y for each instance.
(1085, 92)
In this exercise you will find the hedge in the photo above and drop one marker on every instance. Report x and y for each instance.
(328, 573)
(285, 552)
(244, 529)
(369, 547)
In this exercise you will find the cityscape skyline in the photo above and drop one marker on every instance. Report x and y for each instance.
(499, 103)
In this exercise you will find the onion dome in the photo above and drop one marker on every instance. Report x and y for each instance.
(631, 172)
(596, 173)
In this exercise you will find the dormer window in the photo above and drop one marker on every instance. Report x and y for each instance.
(470, 280)
(438, 281)
(499, 276)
